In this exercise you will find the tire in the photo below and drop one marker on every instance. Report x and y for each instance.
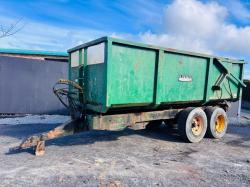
(192, 124)
(217, 122)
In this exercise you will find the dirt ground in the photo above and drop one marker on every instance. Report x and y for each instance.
(127, 158)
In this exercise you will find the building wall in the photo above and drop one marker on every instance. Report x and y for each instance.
(26, 85)
(233, 110)
(246, 95)
(37, 57)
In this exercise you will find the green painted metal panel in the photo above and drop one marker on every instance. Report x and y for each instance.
(134, 74)
(95, 86)
(181, 78)
(131, 75)
(229, 87)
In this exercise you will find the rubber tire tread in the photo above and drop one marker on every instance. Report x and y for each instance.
(209, 112)
(181, 121)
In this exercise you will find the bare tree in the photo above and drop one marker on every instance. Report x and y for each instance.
(12, 29)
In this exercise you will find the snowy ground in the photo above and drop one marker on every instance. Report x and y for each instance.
(35, 119)
(124, 158)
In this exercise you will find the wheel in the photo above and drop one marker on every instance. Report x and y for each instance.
(217, 122)
(154, 125)
(192, 124)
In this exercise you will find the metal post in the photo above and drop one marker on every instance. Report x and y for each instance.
(239, 108)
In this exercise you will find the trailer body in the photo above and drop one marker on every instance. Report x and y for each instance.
(118, 74)
(115, 84)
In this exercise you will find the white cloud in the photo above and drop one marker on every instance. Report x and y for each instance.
(41, 36)
(175, 41)
(197, 26)
(201, 27)
(193, 18)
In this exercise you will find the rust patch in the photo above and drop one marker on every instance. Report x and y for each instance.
(180, 62)
(54, 133)
(31, 141)
(137, 66)
(40, 148)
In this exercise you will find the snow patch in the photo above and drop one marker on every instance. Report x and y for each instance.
(35, 119)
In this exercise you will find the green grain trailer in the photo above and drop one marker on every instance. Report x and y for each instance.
(114, 84)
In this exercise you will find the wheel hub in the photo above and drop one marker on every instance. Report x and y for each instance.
(220, 124)
(197, 125)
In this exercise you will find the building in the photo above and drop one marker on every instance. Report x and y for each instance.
(33, 54)
(246, 95)
(26, 81)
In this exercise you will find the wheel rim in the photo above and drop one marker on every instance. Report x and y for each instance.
(197, 125)
(220, 124)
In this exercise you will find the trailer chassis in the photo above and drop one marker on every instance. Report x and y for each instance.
(113, 122)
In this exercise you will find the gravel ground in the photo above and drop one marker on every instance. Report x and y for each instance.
(126, 158)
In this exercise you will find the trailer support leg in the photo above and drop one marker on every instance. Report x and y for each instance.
(38, 141)
(40, 148)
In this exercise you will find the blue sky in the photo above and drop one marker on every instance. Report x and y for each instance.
(107, 15)
(214, 27)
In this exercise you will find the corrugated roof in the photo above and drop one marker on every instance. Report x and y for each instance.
(33, 52)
